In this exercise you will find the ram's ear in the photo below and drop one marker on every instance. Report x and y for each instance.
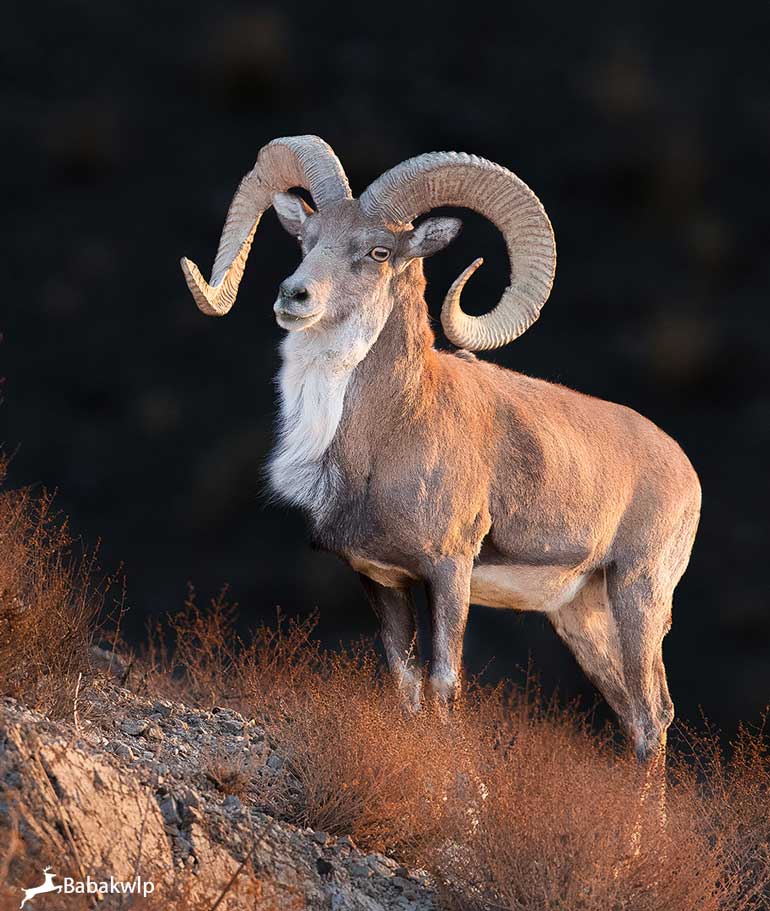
(430, 236)
(292, 211)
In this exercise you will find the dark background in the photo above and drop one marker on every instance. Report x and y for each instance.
(127, 129)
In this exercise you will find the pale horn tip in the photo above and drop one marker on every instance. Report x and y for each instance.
(462, 278)
(200, 289)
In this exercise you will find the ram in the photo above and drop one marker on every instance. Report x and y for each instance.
(421, 466)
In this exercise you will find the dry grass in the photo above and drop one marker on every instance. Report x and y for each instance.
(49, 604)
(513, 804)
(247, 776)
(209, 664)
(229, 774)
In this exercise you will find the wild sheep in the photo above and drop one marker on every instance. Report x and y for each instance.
(424, 466)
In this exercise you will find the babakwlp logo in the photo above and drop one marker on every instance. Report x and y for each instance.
(88, 886)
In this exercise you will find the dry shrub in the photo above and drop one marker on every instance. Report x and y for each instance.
(512, 803)
(230, 774)
(210, 664)
(734, 795)
(246, 775)
(354, 758)
(48, 604)
(363, 765)
(558, 823)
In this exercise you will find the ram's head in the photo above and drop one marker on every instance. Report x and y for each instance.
(353, 248)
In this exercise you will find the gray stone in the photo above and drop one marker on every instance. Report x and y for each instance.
(376, 863)
(121, 750)
(182, 844)
(192, 814)
(170, 812)
(188, 798)
(134, 727)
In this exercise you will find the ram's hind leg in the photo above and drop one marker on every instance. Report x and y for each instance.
(615, 632)
(641, 607)
(398, 631)
(612, 639)
(588, 628)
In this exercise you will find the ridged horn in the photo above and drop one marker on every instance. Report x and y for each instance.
(294, 161)
(455, 179)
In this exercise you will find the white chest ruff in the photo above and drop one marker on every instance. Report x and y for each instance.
(312, 383)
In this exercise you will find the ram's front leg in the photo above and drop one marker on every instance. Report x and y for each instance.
(449, 591)
(398, 631)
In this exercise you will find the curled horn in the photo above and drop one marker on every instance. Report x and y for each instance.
(455, 179)
(295, 161)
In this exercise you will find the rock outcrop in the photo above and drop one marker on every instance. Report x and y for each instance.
(139, 787)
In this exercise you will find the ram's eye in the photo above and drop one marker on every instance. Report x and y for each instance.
(379, 254)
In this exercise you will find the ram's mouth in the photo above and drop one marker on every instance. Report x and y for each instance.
(295, 320)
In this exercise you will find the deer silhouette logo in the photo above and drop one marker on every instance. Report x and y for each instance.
(46, 886)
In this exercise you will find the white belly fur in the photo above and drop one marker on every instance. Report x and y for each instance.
(536, 588)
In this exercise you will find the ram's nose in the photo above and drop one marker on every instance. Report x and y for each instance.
(294, 291)
(294, 307)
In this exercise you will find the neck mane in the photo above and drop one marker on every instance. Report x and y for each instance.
(321, 392)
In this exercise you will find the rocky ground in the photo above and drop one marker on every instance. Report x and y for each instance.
(132, 784)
